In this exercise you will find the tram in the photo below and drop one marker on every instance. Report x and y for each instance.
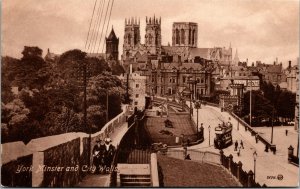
(223, 137)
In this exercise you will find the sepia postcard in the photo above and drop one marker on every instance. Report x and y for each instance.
(150, 93)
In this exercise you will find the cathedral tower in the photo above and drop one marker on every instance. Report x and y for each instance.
(184, 34)
(112, 46)
(132, 35)
(153, 35)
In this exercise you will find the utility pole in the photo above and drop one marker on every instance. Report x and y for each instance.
(106, 106)
(251, 103)
(83, 77)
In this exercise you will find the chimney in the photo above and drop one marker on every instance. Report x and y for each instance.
(290, 64)
(276, 60)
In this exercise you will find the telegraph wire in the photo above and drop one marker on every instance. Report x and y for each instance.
(103, 26)
(99, 24)
(112, 4)
(95, 26)
(90, 24)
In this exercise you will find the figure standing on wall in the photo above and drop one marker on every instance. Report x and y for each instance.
(98, 155)
(108, 154)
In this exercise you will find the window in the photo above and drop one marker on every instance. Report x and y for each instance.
(136, 95)
(183, 79)
(137, 85)
(173, 80)
(170, 80)
(202, 80)
(136, 103)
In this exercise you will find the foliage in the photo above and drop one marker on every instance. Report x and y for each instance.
(50, 99)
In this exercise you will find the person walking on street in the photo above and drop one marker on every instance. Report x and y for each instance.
(236, 145)
(286, 132)
(239, 151)
(242, 144)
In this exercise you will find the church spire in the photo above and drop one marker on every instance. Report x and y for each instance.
(236, 58)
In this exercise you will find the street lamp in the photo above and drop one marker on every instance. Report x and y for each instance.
(272, 125)
(254, 158)
(209, 135)
(197, 106)
(189, 93)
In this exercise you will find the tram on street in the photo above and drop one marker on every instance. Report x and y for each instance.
(223, 137)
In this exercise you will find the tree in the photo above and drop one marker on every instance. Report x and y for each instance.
(98, 88)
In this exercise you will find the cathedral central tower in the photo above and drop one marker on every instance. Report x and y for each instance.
(185, 34)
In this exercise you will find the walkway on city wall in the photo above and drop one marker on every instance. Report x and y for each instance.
(103, 180)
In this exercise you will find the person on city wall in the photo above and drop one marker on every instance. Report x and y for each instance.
(98, 155)
(109, 152)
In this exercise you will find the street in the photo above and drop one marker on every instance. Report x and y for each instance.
(267, 163)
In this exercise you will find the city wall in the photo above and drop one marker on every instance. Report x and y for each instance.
(54, 161)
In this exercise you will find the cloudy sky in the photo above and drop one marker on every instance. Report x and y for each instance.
(259, 29)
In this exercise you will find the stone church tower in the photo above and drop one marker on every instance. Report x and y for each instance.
(184, 34)
(112, 46)
(132, 35)
(153, 35)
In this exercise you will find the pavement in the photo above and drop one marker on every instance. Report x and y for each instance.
(103, 180)
(268, 165)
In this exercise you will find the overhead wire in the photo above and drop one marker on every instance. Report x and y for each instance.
(103, 25)
(95, 26)
(112, 4)
(99, 24)
(90, 25)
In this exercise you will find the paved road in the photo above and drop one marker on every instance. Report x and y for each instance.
(267, 163)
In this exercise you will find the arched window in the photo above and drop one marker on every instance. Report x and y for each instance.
(193, 37)
(177, 36)
(182, 36)
(190, 33)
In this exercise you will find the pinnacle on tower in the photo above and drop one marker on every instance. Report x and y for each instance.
(146, 20)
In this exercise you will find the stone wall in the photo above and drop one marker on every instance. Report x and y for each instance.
(11, 177)
(54, 161)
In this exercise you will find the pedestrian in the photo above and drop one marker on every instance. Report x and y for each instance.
(239, 151)
(286, 132)
(236, 145)
(187, 157)
(108, 154)
(184, 152)
(242, 144)
(98, 155)
(256, 137)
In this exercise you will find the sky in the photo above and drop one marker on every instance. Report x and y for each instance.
(258, 29)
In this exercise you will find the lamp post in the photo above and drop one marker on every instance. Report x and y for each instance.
(197, 106)
(209, 135)
(254, 158)
(272, 125)
(189, 93)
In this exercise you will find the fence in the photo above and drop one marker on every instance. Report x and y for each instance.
(201, 156)
(254, 133)
(246, 179)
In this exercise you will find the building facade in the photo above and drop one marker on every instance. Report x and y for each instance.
(137, 86)
(170, 79)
